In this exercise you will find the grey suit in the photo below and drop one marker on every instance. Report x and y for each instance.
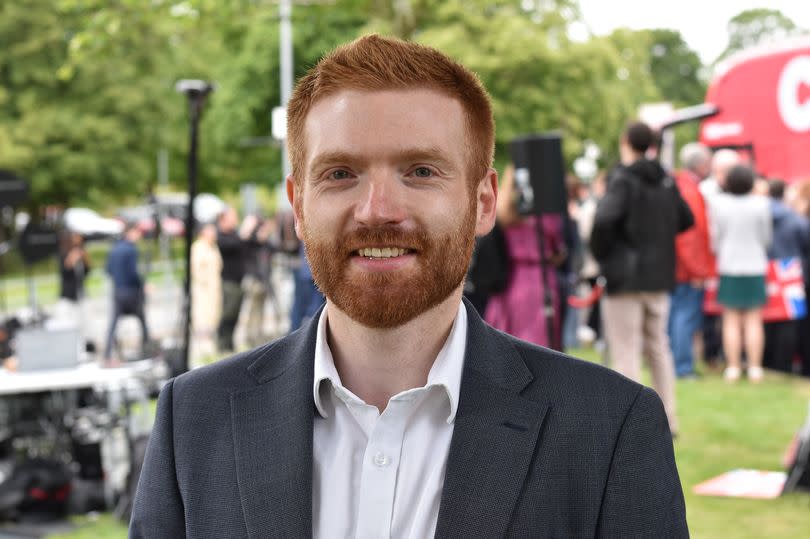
(544, 446)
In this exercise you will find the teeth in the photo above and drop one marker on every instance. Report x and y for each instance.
(381, 252)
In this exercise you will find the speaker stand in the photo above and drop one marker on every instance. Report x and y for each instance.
(548, 299)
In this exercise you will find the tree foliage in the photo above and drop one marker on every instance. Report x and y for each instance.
(757, 26)
(88, 100)
(675, 68)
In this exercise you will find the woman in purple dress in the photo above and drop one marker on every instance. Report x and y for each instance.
(518, 310)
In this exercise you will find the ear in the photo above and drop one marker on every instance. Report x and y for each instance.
(293, 195)
(487, 198)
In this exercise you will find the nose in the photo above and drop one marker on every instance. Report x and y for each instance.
(381, 202)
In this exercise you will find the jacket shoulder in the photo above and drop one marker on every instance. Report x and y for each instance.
(575, 383)
(227, 375)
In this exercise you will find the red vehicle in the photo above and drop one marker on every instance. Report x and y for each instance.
(758, 103)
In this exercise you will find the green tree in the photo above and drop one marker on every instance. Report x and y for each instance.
(87, 86)
(675, 68)
(89, 96)
(756, 26)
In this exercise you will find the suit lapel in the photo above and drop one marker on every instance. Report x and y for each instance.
(272, 430)
(494, 438)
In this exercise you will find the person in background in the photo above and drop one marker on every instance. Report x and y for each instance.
(633, 238)
(307, 299)
(741, 233)
(584, 215)
(722, 161)
(128, 286)
(206, 294)
(231, 242)
(257, 277)
(694, 262)
(488, 273)
(791, 239)
(519, 310)
(797, 197)
(74, 265)
(568, 272)
(761, 187)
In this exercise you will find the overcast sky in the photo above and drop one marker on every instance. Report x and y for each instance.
(702, 23)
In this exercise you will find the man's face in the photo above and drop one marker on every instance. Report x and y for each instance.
(134, 234)
(386, 208)
(229, 220)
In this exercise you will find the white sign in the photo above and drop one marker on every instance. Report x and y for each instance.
(795, 114)
(279, 123)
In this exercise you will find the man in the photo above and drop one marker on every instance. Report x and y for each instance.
(396, 412)
(633, 239)
(231, 240)
(694, 262)
(791, 239)
(256, 284)
(722, 161)
(307, 299)
(128, 289)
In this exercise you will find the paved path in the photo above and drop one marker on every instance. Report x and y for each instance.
(164, 313)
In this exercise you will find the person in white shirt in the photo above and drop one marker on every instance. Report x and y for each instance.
(741, 232)
(397, 412)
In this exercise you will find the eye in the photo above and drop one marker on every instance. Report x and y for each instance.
(422, 172)
(340, 174)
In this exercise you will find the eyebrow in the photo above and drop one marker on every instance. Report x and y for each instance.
(431, 154)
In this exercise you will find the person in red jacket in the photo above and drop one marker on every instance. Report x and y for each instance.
(694, 262)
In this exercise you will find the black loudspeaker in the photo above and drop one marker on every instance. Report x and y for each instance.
(539, 174)
(38, 242)
(13, 190)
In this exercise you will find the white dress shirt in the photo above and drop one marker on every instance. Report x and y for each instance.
(381, 475)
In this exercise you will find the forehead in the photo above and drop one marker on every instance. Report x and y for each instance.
(378, 122)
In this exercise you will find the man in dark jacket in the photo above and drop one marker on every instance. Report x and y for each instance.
(128, 295)
(633, 239)
(791, 239)
(232, 243)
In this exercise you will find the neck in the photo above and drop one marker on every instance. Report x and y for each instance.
(376, 364)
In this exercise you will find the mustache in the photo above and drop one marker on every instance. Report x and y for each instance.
(385, 236)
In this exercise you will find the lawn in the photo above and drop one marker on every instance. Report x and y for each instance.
(723, 427)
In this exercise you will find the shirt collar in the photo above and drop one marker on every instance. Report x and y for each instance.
(445, 372)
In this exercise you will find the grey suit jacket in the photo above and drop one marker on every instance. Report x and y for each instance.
(544, 445)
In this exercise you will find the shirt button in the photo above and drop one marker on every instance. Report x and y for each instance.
(381, 460)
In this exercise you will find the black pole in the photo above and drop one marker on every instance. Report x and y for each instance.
(196, 91)
(195, 100)
(548, 300)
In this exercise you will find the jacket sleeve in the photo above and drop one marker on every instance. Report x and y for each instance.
(643, 496)
(132, 267)
(158, 509)
(609, 213)
(230, 245)
(685, 218)
(692, 245)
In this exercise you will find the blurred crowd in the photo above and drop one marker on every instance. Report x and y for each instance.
(702, 268)
(680, 268)
(232, 264)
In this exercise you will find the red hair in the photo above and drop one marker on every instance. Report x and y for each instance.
(375, 63)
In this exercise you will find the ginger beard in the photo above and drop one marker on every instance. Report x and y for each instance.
(392, 298)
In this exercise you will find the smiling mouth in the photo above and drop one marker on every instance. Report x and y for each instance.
(382, 252)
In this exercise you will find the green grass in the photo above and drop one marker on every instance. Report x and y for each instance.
(723, 427)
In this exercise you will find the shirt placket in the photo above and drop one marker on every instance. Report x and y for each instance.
(381, 463)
